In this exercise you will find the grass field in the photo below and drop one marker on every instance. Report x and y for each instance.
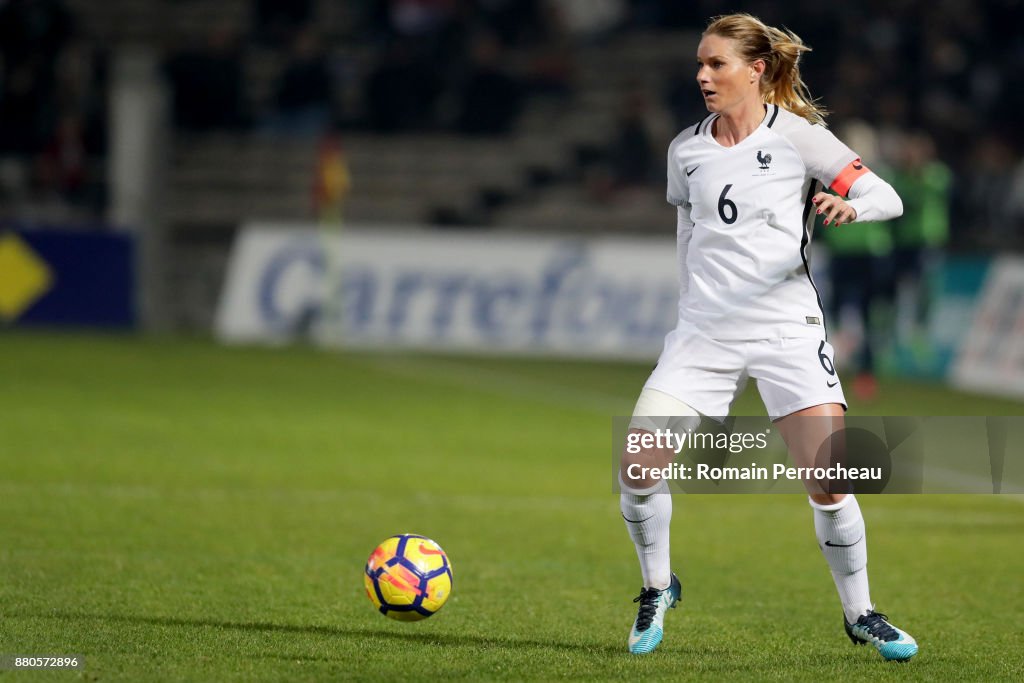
(173, 510)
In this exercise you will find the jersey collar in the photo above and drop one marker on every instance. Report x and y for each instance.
(704, 127)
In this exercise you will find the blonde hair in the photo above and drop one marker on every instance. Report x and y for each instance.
(780, 50)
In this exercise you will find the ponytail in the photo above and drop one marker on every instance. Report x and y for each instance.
(780, 50)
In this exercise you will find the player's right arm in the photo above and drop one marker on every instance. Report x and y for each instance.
(840, 169)
(678, 194)
(870, 197)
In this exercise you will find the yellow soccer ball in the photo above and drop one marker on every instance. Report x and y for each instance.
(408, 577)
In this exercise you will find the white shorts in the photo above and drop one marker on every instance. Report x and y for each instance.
(792, 373)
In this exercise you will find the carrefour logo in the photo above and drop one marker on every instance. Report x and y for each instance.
(560, 296)
(24, 277)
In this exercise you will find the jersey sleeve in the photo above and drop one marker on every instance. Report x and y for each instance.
(827, 158)
(684, 231)
(874, 199)
(677, 193)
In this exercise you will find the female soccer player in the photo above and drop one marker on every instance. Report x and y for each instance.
(746, 181)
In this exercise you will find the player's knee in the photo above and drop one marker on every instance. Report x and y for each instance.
(641, 460)
(649, 449)
(828, 498)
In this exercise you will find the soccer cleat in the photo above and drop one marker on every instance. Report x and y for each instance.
(893, 644)
(647, 629)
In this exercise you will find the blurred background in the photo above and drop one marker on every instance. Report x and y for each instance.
(139, 138)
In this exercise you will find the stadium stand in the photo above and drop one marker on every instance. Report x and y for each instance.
(601, 98)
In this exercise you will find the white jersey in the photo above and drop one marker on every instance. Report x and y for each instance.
(745, 224)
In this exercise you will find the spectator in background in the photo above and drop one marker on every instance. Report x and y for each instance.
(433, 30)
(631, 157)
(629, 161)
(23, 110)
(33, 35)
(207, 85)
(304, 90)
(987, 186)
(333, 180)
(401, 92)
(514, 22)
(34, 31)
(62, 169)
(678, 97)
(491, 98)
(590, 21)
(1015, 200)
(550, 72)
(551, 67)
(419, 17)
(276, 20)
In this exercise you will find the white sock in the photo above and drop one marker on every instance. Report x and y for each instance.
(840, 532)
(647, 513)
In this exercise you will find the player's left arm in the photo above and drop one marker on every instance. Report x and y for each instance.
(870, 197)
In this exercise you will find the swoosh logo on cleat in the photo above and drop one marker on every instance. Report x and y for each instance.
(636, 521)
(830, 544)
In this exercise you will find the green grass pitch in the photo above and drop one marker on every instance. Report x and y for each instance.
(174, 510)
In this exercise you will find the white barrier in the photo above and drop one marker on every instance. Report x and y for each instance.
(992, 357)
(607, 297)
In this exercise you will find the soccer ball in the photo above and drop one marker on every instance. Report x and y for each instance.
(408, 577)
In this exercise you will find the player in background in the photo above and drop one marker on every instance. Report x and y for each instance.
(860, 270)
(921, 234)
(747, 183)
